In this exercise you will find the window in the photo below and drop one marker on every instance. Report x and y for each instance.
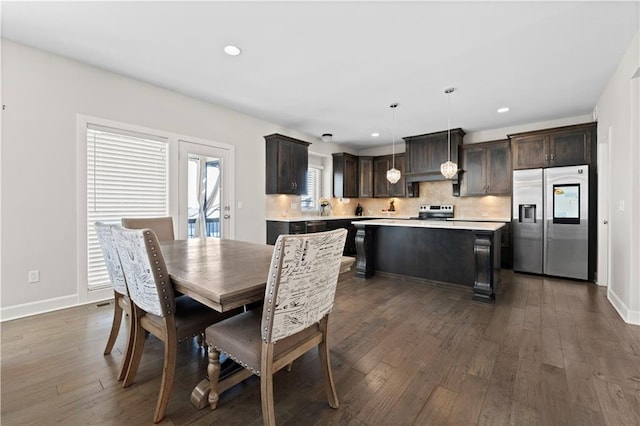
(309, 201)
(127, 175)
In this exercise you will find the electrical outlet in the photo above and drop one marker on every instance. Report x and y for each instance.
(34, 276)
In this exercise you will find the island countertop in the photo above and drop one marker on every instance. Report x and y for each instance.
(440, 224)
(336, 217)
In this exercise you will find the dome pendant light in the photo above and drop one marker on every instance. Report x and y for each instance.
(393, 174)
(449, 169)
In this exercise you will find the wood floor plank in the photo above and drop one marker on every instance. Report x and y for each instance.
(549, 351)
(437, 408)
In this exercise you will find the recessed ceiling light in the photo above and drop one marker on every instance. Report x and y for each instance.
(232, 50)
(375, 134)
(503, 109)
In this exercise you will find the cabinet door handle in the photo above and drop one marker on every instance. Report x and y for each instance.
(546, 157)
(551, 157)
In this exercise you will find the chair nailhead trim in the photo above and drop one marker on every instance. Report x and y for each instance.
(243, 364)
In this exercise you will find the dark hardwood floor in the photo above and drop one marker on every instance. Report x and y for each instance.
(549, 352)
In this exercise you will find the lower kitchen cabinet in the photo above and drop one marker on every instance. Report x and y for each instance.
(506, 249)
(350, 243)
(276, 228)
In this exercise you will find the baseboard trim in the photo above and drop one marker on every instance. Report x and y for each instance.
(43, 306)
(629, 316)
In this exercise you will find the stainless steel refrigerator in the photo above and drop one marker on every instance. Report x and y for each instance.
(551, 221)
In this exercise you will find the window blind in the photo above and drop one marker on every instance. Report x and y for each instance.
(309, 201)
(127, 176)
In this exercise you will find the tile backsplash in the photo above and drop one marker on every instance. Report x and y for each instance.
(439, 192)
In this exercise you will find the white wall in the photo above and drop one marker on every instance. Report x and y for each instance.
(43, 94)
(619, 117)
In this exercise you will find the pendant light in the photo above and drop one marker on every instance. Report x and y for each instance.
(393, 174)
(449, 169)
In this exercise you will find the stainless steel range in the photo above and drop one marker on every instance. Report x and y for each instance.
(434, 212)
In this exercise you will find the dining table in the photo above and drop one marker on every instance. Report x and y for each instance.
(222, 274)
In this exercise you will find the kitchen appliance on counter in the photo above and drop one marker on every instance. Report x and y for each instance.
(551, 221)
(434, 212)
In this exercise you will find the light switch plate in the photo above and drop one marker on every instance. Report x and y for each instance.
(34, 276)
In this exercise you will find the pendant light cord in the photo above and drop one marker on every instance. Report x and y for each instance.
(449, 120)
(393, 137)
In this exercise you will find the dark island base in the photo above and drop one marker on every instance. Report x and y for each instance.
(454, 256)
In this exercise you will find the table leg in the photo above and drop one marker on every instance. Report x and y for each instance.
(200, 394)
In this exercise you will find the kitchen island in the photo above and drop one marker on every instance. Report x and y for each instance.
(449, 252)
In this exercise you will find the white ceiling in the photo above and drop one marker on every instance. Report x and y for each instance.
(335, 67)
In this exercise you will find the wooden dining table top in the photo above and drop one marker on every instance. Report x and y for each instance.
(222, 274)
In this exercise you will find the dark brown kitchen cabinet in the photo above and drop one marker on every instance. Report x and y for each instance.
(276, 228)
(365, 167)
(350, 242)
(381, 186)
(345, 175)
(560, 146)
(425, 153)
(487, 168)
(287, 160)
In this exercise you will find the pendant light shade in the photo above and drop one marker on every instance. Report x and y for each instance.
(449, 169)
(393, 174)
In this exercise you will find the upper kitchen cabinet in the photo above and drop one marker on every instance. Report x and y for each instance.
(425, 154)
(561, 146)
(345, 175)
(365, 168)
(487, 168)
(286, 166)
(381, 186)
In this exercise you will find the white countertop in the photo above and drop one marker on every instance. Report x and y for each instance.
(481, 219)
(441, 224)
(337, 217)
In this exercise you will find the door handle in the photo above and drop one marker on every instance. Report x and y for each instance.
(605, 221)
(226, 216)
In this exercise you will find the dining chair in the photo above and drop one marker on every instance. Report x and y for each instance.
(155, 308)
(162, 226)
(294, 318)
(122, 302)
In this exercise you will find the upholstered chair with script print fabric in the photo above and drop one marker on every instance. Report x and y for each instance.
(122, 303)
(155, 309)
(298, 299)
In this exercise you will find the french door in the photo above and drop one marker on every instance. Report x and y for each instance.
(205, 191)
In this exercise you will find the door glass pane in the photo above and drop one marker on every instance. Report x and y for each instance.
(203, 196)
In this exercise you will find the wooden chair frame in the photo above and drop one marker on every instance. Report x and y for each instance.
(301, 337)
